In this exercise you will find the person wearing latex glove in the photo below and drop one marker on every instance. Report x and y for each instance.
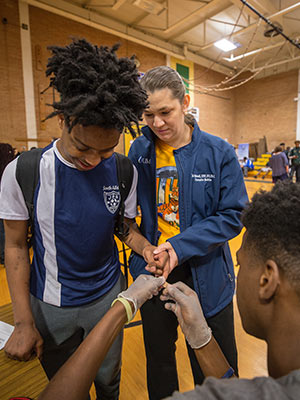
(267, 295)
(189, 313)
(186, 306)
(74, 378)
(141, 290)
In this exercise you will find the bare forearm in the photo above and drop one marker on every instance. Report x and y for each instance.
(18, 268)
(212, 360)
(74, 379)
(138, 243)
(135, 240)
(18, 277)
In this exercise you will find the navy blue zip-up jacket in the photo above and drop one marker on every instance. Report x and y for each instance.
(212, 195)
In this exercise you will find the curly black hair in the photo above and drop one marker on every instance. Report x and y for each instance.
(95, 86)
(272, 221)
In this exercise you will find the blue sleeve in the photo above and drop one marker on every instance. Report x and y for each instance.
(204, 236)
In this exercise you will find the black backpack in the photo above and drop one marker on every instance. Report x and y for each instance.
(27, 175)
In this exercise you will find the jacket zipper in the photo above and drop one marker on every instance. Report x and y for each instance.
(181, 192)
(155, 239)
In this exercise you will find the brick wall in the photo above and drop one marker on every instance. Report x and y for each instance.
(12, 109)
(266, 107)
(261, 107)
(217, 108)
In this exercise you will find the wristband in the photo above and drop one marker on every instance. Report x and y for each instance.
(121, 295)
(127, 306)
(228, 374)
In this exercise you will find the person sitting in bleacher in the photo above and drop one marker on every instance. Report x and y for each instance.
(246, 166)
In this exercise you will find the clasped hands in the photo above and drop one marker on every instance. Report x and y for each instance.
(161, 260)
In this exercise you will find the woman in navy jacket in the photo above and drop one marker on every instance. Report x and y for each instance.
(205, 181)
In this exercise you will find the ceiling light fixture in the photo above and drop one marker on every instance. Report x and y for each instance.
(225, 45)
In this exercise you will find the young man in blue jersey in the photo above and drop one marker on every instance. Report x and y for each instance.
(75, 272)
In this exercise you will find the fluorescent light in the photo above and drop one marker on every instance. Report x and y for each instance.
(225, 45)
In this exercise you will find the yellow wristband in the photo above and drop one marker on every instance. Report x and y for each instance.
(127, 306)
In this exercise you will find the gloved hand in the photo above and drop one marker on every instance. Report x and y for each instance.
(142, 289)
(188, 312)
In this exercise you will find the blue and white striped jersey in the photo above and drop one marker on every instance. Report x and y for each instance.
(75, 257)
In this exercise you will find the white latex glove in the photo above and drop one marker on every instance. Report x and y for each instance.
(142, 289)
(188, 312)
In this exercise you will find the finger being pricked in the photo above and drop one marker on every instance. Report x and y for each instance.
(177, 291)
(154, 283)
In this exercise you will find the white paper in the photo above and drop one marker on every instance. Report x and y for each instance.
(5, 331)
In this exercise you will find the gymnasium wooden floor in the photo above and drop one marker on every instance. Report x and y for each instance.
(252, 352)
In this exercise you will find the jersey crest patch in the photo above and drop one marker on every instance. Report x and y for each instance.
(112, 200)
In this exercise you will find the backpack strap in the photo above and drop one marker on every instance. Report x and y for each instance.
(27, 175)
(125, 177)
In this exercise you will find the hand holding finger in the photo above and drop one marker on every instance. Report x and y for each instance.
(178, 289)
(162, 265)
(172, 254)
(189, 313)
(142, 289)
